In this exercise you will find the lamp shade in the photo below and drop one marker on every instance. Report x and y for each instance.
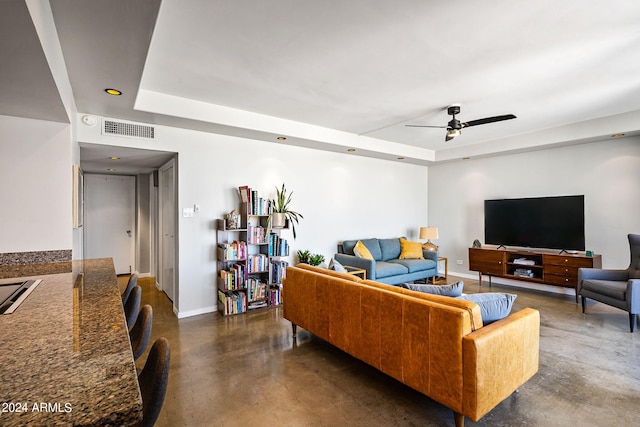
(428, 233)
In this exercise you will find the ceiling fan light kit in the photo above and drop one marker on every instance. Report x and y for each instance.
(454, 126)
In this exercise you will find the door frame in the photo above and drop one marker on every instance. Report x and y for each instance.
(160, 237)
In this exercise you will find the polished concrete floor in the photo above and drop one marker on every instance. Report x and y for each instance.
(246, 370)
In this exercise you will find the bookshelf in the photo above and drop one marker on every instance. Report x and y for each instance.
(250, 259)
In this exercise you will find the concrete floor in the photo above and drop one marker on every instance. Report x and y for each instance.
(246, 370)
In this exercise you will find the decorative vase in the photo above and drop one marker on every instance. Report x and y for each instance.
(278, 220)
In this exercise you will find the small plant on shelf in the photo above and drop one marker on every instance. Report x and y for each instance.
(282, 212)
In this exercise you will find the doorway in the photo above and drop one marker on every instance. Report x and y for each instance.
(110, 219)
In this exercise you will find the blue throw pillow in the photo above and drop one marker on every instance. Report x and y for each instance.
(335, 265)
(453, 290)
(493, 306)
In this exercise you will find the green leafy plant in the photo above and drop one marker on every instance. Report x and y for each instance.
(281, 206)
(303, 256)
(316, 259)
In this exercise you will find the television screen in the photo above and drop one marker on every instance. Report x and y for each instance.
(536, 222)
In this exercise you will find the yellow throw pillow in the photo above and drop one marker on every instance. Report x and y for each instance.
(361, 251)
(410, 250)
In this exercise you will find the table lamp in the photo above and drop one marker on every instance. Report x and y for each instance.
(429, 233)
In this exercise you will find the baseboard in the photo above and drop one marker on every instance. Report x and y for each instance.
(205, 310)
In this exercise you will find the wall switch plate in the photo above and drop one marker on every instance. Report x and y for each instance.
(187, 212)
(459, 262)
(196, 208)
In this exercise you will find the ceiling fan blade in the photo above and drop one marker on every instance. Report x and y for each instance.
(488, 120)
(426, 126)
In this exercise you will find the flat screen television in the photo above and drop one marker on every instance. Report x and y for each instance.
(536, 222)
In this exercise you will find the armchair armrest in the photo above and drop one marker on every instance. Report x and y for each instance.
(498, 359)
(600, 274)
(368, 265)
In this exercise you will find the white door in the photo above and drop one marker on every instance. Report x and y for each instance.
(109, 220)
(167, 229)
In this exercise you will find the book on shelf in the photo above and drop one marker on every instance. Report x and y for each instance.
(244, 193)
(278, 246)
(256, 290)
(275, 296)
(233, 302)
(256, 234)
(258, 263)
(524, 261)
(235, 250)
(523, 272)
(278, 271)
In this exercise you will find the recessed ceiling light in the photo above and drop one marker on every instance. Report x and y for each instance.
(281, 138)
(466, 158)
(617, 135)
(111, 170)
(114, 158)
(112, 91)
(351, 150)
(400, 158)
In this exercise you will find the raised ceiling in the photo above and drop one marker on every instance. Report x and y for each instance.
(338, 74)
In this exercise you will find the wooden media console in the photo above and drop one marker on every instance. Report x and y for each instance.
(547, 267)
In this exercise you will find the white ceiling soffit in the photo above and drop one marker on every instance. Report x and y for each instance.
(338, 74)
(26, 82)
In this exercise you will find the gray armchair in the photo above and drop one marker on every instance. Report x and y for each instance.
(618, 288)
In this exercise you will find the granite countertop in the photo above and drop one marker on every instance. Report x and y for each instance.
(65, 355)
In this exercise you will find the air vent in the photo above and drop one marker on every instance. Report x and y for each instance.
(133, 130)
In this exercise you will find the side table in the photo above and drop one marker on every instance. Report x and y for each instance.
(355, 271)
(439, 279)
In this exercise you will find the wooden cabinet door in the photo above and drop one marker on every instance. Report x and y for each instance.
(487, 261)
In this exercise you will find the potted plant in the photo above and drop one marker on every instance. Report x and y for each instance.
(303, 256)
(316, 259)
(281, 212)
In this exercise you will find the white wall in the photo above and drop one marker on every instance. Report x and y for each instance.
(341, 196)
(35, 185)
(606, 172)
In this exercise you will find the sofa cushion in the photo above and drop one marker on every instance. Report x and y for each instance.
(414, 265)
(452, 290)
(410, 250)
(371, 244)
(336, 266)
(390, 248)
(493, 306)
(387, 269)
(361, 251)
(610, 288)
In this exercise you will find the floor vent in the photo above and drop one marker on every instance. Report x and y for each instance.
(111, 127)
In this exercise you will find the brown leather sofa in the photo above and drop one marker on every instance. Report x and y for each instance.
(434, 344)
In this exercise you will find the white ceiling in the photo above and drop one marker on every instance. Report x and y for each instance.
(339, 74)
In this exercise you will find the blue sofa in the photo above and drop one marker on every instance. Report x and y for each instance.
(386, 267)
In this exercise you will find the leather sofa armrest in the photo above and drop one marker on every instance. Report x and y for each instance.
(368, 265)
(498, 359)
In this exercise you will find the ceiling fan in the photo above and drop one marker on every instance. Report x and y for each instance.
(455, 126)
